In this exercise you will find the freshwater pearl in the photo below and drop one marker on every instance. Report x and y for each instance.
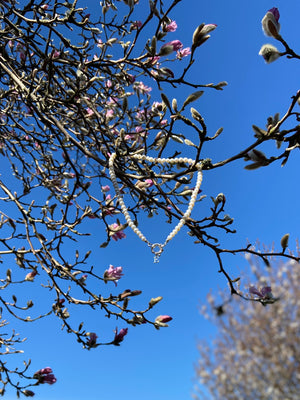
(156, 248)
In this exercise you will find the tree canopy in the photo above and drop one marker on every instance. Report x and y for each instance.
(83, 139)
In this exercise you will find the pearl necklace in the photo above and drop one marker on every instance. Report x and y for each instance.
(156, 248)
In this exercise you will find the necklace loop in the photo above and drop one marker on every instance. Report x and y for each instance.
(156, 248)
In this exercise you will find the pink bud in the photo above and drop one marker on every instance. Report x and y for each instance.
(175, 44)
(163, 318)
(55, 54)
(119, 337)
(30, 276)
(92, 339)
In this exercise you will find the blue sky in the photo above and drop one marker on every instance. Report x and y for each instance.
(159, 365)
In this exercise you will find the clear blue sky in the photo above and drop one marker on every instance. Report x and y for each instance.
(159, 365)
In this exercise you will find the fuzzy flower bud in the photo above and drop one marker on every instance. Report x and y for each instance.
(200, 34)
(269, 52)
(285, 241)
(154, 301)
(270, 24)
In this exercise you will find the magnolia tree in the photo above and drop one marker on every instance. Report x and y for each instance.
(82, 138)
(256, 352)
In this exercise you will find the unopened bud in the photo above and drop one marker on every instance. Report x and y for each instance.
(285, 241)
(269, 52)
(220, 199)
(154, 301)
(270, 24)
(165, 50)
(163, 319)
(28, 393)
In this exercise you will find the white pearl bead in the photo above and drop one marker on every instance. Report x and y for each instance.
(171, 161)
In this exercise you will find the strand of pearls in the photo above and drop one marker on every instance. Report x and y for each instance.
(156, 248)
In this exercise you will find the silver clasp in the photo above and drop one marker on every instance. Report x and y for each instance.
(157, 249)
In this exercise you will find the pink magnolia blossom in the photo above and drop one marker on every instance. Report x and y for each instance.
(153, 60)
(30, 276)
(105, 188)
(143, 115)
(139, 129)
(171, 27)
(45, 371)
(89, 112)
(109, 114)
(119, 337)
(183, 53)
(136, 25)
(109, 209)
(149, 182)
(115, 132)
(113, 274)
(55, 54)
(45, 375)
(112, 101)
(116, 232)
(175, 44)
(141, 88)
(50, 379)
(92, 339)
(143, 185)
(128, 137)
(100, 43)
(264, 294)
